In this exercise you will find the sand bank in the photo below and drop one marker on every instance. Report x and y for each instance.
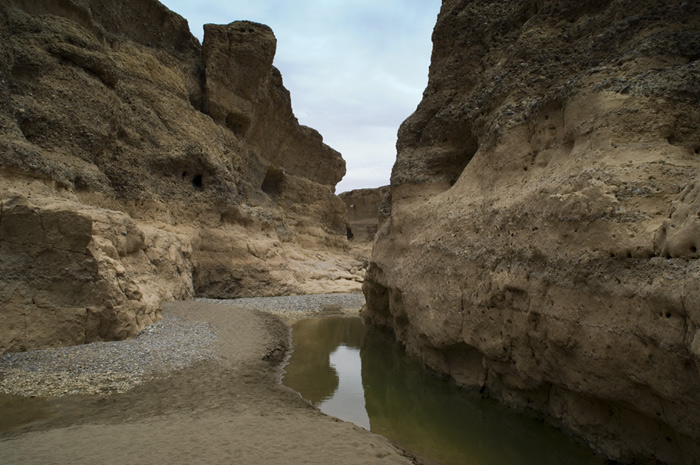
(227, 408)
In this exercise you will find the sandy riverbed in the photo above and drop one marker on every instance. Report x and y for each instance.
(229, 408)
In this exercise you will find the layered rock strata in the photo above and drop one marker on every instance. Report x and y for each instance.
(544, 234)
(138, 166)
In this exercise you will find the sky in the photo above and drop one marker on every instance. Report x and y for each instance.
(355, 69)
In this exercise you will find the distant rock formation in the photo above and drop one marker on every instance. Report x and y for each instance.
(138, 166)
(544, 234)
(367, 210)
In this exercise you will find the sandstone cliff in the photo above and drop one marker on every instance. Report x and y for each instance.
(138, 166)
(367, 210)
(545, 223)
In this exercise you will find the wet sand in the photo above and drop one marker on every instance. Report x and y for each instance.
(229, 409)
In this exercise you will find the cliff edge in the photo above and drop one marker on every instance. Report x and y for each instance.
(544, 234)
(139, 166)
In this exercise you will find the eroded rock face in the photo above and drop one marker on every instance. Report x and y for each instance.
(367, 209)
(245, 93)
(543, 239)
(138, 166)
(74, 274)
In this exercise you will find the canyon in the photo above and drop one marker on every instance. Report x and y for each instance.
(542, 246)
(538, 242)
(138, 166)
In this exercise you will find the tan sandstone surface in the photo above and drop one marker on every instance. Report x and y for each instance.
(229, 409)
(545, 220)
(139, 166)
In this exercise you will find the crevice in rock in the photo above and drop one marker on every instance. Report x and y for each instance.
(273, 183)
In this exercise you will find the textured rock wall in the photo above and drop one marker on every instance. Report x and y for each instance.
(543, 239)
(245, 93)
(73, 274)
(137, 166)
(367, 210)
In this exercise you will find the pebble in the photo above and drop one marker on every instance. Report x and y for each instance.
(298, 306)
(103, 368)
(107, 367)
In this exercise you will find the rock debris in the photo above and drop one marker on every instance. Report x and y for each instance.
(103, 368)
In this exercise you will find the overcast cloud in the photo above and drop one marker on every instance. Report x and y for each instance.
(355, 68)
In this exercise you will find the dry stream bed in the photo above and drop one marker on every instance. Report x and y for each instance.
(203, 386)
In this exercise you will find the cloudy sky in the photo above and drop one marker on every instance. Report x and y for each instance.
(355, 68)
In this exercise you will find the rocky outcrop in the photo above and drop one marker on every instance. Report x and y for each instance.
(543, 239)
(138, 166)
(367, 210)
(73, 273)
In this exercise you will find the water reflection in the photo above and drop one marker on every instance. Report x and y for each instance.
(334, 358)
(348, 400)
(309, 371)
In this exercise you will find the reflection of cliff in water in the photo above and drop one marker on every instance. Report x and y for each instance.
(417, 411)
(433, 418)
(309, 371)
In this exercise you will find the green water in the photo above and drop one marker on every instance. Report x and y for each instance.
(362, 375)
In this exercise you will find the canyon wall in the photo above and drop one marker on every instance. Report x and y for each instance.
(138, 165)
(367, 210)
(544, 234)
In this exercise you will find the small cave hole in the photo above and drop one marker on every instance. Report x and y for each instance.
(238, 123)
(184, 174)
(524, 168)
(671, 140)
(274, 181)
(667, 314)
(449, 165)
(349, 234)
(629, 254)
(697, 150)
(693, 249)
(612, 254)
(197, 182)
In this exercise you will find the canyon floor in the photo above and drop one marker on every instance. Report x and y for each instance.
(227, 407)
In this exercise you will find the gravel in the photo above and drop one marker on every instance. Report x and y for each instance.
(102, 368)
(298, 306)
(107, 367)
